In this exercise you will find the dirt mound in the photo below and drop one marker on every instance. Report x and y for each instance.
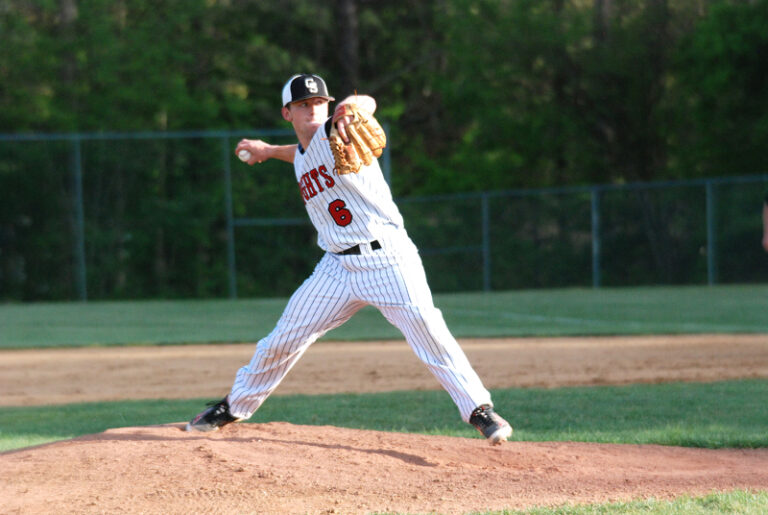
(284, 468)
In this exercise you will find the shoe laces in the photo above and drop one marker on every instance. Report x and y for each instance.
(484, 414)
(221, 406)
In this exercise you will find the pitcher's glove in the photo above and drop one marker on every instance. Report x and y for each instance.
(366, 139)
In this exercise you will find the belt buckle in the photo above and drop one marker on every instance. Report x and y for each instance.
(369, 247)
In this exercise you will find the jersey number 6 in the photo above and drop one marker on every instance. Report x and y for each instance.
(341, 215)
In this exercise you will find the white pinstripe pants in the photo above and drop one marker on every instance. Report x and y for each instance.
(393, 282)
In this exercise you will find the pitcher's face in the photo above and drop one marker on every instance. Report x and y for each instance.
(307, 115)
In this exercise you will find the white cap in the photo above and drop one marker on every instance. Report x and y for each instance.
(304, 85)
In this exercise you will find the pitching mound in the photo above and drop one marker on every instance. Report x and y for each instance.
(284, 468)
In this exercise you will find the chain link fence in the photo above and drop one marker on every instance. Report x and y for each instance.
(176, 215)
(683, 232)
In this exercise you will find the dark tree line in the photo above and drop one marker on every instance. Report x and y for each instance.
(478, 95)
(529, 92)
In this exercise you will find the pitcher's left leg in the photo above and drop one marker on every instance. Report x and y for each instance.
(425, 329)
(427, 334)
(401, 293)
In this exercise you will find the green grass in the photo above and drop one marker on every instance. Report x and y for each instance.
(723, 414)
(714, 415)
(739, 501)
(648, 310)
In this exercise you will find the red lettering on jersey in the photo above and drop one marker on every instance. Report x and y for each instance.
(303, 190)
(311, 191)
(328, 179)
(314, 174)
(311, 179)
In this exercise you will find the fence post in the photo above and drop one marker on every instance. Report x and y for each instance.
(595, 209)
(711, 234)
(231, 265)
(76, 164)
(486, 220)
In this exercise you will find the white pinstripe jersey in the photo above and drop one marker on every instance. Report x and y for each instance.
(347, 209)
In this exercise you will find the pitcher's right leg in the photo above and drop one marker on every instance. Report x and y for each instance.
(319, 305)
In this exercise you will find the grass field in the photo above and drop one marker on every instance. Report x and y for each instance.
(712, 415)
(745, 503)
(651, 310)
(724, 414)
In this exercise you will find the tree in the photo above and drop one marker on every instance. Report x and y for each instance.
(720, 98)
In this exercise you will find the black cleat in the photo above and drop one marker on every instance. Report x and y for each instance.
(490, 423)
(213, 417)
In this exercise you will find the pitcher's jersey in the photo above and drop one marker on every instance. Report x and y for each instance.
(346, 209)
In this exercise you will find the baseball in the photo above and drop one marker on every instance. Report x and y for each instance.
(244, 155)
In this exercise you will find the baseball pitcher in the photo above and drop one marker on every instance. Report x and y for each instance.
(369, 260)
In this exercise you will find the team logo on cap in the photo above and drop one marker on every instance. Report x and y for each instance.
(304, 85)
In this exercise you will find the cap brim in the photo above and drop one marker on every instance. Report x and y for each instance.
(329, 99)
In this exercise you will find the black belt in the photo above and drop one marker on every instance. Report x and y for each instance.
(355, 251)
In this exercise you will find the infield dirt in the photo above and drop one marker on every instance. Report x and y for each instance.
(284, 468)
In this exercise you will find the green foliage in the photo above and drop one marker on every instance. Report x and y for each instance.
(510, 97)
(140, 65)
(721, 83)
(479, 95)
(551, 92)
